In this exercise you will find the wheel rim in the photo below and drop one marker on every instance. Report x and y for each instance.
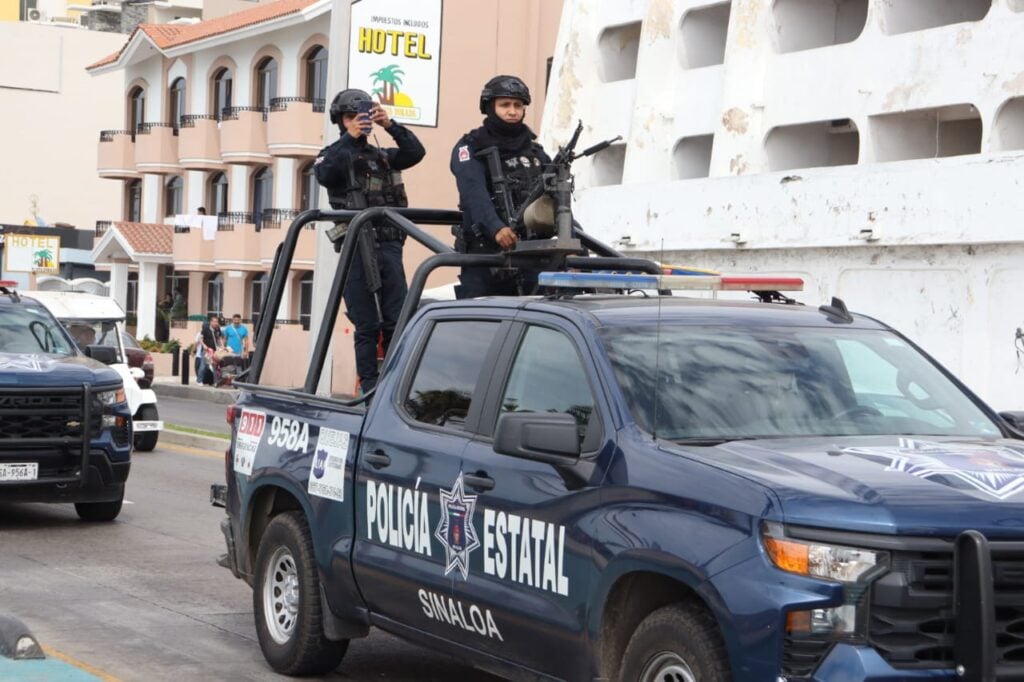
(667, 666)
(281, 595)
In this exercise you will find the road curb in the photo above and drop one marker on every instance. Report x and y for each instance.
(223, 396)
(194, 440)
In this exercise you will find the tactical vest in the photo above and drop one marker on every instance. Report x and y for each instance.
(522, 170)
(372, 175)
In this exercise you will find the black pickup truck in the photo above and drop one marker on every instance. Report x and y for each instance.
(65, 427)
(598, 486)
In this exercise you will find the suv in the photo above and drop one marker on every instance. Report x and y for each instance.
(99, 320)
(65, 426)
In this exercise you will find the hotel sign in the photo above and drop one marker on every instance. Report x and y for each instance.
(31, 253)
(395, 55)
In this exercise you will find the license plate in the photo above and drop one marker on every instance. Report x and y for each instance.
(19, 472)
(147, 426)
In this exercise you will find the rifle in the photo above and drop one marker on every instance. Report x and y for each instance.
(557, 180)
(504, 198)
(356, 200)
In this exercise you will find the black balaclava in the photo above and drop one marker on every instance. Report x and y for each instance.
(502, 134)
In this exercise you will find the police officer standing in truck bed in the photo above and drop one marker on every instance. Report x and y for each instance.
(357, 175)
(487, 226)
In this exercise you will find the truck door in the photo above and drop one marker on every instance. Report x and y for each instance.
(412, 452)
(534, 568)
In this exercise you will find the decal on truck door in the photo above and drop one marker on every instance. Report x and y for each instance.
(455, 531)
(327, 472)
(247, 440)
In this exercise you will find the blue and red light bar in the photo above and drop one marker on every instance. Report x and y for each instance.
(626, 280)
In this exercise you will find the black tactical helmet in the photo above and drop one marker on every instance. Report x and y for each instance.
(346, 102)
(503, 86)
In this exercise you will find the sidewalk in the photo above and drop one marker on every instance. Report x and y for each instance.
(172, 387)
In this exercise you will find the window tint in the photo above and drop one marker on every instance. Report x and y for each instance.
(547, 376)
(442, 389)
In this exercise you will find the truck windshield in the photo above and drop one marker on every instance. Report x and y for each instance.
(31, 330)
(94, 333)
(706, 384)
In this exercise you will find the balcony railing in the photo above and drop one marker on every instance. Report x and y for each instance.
(271, 218)
(102, 226)
(147, 128)
(182, 229)
(189, 120)
(231, 113)
(226, 221)
(109, 135)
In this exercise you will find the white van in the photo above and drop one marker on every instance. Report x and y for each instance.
(99, 321)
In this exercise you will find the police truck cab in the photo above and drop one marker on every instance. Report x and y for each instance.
(607, 483)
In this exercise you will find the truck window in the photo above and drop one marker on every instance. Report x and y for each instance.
(547, 376)
(31, 330)
(442, 389)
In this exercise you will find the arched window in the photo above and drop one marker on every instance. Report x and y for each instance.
(305, 299)
(136, 108)
(133, 201)
(215, 294)
(221, 92)
(177, 102)
(131, 300)
(217, 194)
(174, 188)
(316, 73)
(309, 188)
(262, 192)
(257, 290)
(266, 82)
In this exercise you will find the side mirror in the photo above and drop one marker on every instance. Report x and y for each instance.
(105, 354)
(1014, 419)
(542, 436)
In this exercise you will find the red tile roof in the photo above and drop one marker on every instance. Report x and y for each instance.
(148, 238)
(166, 36)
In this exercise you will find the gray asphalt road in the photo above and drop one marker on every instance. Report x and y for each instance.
(142, 599)
(195, 413)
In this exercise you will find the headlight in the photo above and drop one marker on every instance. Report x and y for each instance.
(852, 566)
(111, 397)
(816, 560)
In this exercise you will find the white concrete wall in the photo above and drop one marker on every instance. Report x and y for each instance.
(910, 93)
(52, 114)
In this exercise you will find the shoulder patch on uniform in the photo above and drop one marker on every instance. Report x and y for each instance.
(318, 161)
(464, 153)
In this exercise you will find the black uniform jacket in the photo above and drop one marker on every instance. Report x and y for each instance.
(331, 165)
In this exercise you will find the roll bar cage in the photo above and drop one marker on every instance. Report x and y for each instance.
(565, 251)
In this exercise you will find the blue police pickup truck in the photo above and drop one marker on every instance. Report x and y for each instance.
(615, 487)
(65, 427)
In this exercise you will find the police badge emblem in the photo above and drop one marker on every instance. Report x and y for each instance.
(455, 531)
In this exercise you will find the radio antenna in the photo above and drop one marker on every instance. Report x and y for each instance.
(657, 352)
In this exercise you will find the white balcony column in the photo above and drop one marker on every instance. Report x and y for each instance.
(238, 188)
(738, 148)
(284, 184)
(196, 193)
(119, 282)
(285, 309)
(152, 197)
(146, 305)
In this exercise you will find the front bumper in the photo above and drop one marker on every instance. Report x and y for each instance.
(102, 481)
(850, 662)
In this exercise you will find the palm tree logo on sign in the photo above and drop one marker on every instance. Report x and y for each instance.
(43, 259)
(387, 81)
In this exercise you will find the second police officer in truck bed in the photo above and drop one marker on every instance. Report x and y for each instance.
(356, 175)
(485, 226)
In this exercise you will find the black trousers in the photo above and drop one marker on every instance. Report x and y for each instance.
(362, 310)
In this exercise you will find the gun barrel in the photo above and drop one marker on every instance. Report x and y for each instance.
(599, 146)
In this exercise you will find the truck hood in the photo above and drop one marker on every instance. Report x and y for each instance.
(21, 369)
(923, 485)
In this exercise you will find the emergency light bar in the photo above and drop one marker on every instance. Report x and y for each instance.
(610, 280)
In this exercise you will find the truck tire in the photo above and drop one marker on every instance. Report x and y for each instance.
(286, 601)
(678, 642)
(96, 512)
(146, 441)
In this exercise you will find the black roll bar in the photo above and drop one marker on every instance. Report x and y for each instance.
(404, 219)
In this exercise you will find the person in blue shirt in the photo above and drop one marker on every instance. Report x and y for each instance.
(236, 336)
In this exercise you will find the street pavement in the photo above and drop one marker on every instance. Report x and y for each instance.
(198, 414)
(143, 599)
